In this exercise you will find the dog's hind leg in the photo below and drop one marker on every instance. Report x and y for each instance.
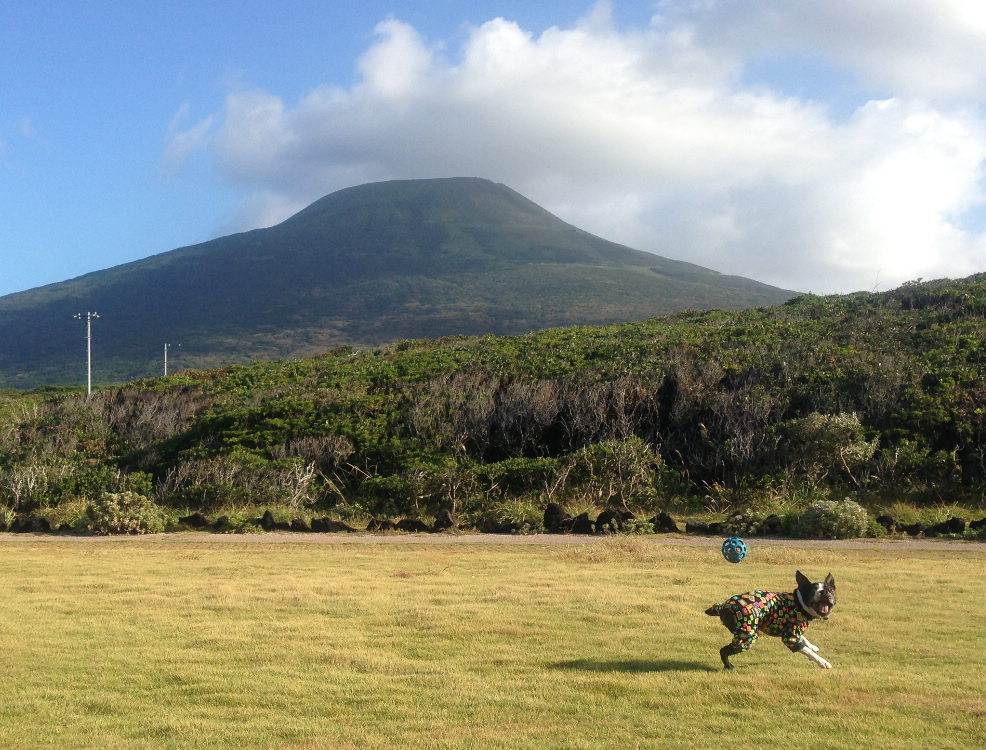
(726, 651)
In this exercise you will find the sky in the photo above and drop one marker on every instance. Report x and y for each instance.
(823, 147)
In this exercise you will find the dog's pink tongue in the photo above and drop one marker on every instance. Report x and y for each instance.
(824, 609)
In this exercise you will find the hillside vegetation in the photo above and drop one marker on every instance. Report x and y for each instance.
(876, 396)
(363, 266)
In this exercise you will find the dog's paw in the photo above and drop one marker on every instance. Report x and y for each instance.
(816, 658)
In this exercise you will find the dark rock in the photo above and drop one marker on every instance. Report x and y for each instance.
(488, 525)
(582, 525)
(381, 524)
(913, 529)
(444, 520)
(889, 523)
(267, 522)
(330, 526)
(608, 521)
(954, 525)
(664, 524)
(65, 528)
(981, 523)
(196, 520)
(697, 527)
(612, 519)
(24, 524)
(413, 525)
(298, 524)
(221, 523)
(555, 518)
(772, 525)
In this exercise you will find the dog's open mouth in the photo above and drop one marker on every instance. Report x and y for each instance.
(823, 608)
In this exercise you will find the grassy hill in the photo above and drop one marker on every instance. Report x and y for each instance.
(363, 266)
(875, 396)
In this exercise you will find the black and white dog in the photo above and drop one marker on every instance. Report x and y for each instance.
(784, 615)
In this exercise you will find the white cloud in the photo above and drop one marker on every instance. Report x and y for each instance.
(647, 137)
(182, 143)
(928, 48)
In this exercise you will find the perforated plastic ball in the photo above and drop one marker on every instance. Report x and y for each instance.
(734, 549)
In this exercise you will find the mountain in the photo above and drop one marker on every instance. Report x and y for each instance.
(361, 266)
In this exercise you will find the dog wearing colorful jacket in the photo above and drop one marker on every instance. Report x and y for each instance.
(783, 615)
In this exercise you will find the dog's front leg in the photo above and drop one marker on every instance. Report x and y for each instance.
(809, 650)
(805, 642)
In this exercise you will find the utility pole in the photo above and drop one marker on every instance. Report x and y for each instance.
(88, 319)
(166, 347)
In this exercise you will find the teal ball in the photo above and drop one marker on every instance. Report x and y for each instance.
(734, 549)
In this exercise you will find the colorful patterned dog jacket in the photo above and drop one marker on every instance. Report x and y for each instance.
(766, 611)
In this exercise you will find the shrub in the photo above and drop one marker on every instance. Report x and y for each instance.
(238, 478)
(519, 515)
(821, 444)
(833, 519)
(238, 524)
(743, 523)
(125, 513)
(637, 526)
(615, 472)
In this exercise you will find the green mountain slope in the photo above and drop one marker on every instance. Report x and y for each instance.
(365, 265)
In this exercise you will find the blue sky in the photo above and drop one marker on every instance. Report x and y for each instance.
(820, 146)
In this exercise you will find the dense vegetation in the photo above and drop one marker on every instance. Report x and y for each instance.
(363, 266)
(880, 397)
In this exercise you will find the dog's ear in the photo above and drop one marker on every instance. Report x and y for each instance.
(830, 582)
(802, 579)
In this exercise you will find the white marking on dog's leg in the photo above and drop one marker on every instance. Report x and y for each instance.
(809, 644)
(816, 658)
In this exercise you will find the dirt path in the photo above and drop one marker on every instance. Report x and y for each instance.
(446, 539)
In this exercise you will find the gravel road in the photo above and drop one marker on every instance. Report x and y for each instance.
(452, 539)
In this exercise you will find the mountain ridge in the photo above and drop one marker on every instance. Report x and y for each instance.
(364, 265)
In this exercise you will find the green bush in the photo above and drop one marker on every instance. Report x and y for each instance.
(821, 445)
(516, 476)
(125, 513)
(615, 471)
(518, 515)
(637, 526)
(239, 524)
(743, 523)
(833, 519)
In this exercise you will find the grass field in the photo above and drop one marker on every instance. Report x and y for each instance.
(171, 644)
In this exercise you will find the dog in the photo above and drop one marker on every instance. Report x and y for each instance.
(784, 615)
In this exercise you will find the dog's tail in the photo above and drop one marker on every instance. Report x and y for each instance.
(713, 611)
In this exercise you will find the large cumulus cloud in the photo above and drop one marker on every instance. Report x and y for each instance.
(657, 136)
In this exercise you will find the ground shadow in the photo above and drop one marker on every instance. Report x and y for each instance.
(634, 665)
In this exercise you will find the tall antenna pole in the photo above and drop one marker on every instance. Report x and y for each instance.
(89, 317)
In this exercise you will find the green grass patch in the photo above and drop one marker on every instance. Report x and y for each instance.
(171, 643)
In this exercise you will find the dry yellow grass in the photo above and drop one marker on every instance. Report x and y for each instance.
(170, 644)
